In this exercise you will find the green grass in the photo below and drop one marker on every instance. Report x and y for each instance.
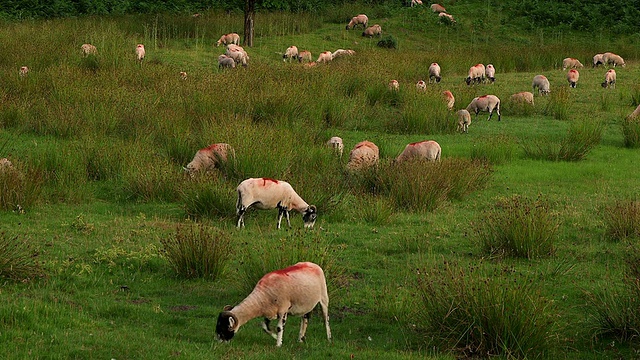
(100, 144)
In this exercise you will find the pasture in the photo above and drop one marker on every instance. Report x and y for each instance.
(101, 142)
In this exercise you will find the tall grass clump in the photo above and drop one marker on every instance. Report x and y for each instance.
(484, 313)
(18, 260)
(518, 227)
(423, 113)
(631, 132)
(559, 105)
(496, 150)
(622, 220)
(198, 251)
(19, 191)
(207, 195)
(582, 137)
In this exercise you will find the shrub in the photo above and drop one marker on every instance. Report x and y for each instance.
(518, 227)
(631, 132)
(18, 261)
(388, 42)
(622, 220)
(197, 251)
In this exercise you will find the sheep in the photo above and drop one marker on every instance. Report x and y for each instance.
(633, 115)
(364, 154)
(485, 103)
(572, 77)
(490, 73)
(295, 290)
(421, 86)
(542, 84)
(290, 53)
(434, 73)
(464, 120)
(394, 85)
(449, 17)
(266, 194)
(448, 97)
(5, 165)
(571, 63)
(476, 74)
(342, 52)
(523, 97)
(305, 55)
(437, 8)
(416, 2)
(336, 144)
(140, 53)
(237, 53)
(24, 71)
(183, 75)
(361, 19)
(225, 61)
(613, 59)
(226, 39)
(425, 150)
(324, 57)
(609, 79)
(371, 31)
(209, 158)
(88, 49)
(598, 59)
(310, 64)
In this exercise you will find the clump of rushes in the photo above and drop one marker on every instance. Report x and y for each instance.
(582, 137)
(622, 220)
(631, 132)
(499, 150)
(18, 260)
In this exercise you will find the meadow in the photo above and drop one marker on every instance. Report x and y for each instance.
(520, 243)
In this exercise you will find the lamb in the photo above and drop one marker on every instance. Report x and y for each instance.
(361, 19)
(140, 53)
(183, 75)
(437, 8)
(364, 154)
(336, 144)
(295, 290)
(290, 53)
(571, 63)
(324, 57)
(394, 85)
(342, 52)
(226, 39)
(434, 73)
(226, 62)
(542, 84)
(485, 103)
(572, 77)
(209, 158)
(524, 97)
(633, 115)
(416, 2)
(24, 71)
(598, 59)
(88, 49)
(448, 97)
(371, 31)
(421, 86)
(449, 17)
(265, 194)
(237, 53)
(305, 55)
(609, 79)
(476, 74)
(464, 120)
(613, 59)
(490, 73)
(425, 150)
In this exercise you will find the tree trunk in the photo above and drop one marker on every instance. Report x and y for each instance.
(249, 13)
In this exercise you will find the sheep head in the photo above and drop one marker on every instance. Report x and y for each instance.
(227, 324)
(309, 216)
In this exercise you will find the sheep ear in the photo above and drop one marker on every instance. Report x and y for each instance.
(227, 308)
(233, 320)
(312, 208)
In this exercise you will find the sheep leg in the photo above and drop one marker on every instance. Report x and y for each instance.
(303, 326)
(282, 320)
(324, 303)
(240, 211)
(265, 327)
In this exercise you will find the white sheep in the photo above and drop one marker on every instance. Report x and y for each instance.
(437, 8)
(416, 2)
(225, 61)
(425, 150)
(613, 59)
(295, 290)
(183, 75)
(361, 19)
(88, 49)
(373, 30)
(237, 53)
(572, 77)
(226, 39)
(140, 53)
(305, 55)
(209, 158)
(364, 154)
(266, 194)
(571, 63)
(5, 165)
(523, 97)
(448, 97)
(325, 57)
(598, 59)
(342, 52)
(542, 84)
(476, 74)
(434, 73)
(24, 71)
(394, 85)
(464, 120)
(449, 17)
(633, 115)
(336, 144)
(290, 53)
(485, 103)
(421, 86)
(490, 73)
(609, 79)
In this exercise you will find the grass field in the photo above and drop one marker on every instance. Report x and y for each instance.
(101, 142)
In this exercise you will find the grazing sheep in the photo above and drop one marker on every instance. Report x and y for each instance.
(290, 53)
(416, 2)
(226, 39)
(183, 75)
(266, 194)
(394, 85)
(88, 49)
(571, 63)
(434, 73)
(336, 144)
(425, 150)
(295, 290)
(609, 79)
(633, 115)
(364, 154)
(24, 71)
(485, 103)
(371, 31)
(5, 165)
(361, 19)
(542, 84)
(464, 120)
(437, 8)
(342, 52)
(490, 73)
(448, 97)
(324, 57)
(598, 59)
(449, 17)
(305, 55)
(421, 86)
(524, 97)
(209, 158)
(140, 53)
(225, 61)
(572, 77)
(476, 74)
(613, 59)
(310, 64)
(237, 53)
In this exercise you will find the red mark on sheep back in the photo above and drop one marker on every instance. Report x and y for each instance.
(418, 142)
(265, 180)
(482, 97)
(212, 147)
(295, 268)
(543, 77)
